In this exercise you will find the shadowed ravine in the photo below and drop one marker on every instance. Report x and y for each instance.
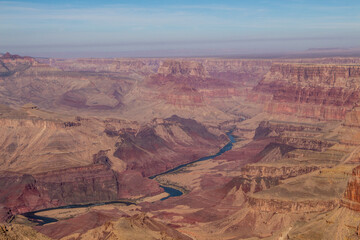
(41, 220)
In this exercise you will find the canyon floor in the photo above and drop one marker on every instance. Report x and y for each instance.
(182, 148)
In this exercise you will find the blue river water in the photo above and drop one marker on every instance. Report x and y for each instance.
(41, 220)
(172, 192)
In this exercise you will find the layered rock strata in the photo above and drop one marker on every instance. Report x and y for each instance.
(295, 136)
(96, 183)
(308, 90)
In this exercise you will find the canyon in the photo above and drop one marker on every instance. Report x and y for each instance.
(96, 134)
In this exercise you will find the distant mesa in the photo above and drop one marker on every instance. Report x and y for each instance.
(13, 57)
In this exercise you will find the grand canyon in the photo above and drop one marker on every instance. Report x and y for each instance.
(179, 148)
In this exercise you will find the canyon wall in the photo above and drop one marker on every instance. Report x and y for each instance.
(322, 91)
(93, 183)
(200, 82)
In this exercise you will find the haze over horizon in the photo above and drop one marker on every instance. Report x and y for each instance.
(169, 28)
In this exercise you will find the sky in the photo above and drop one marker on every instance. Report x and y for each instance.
(140, 28)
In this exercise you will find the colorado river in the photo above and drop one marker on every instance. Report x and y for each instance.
(41, 220)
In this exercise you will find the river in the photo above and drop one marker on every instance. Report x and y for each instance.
(41, 220)
(173, 192)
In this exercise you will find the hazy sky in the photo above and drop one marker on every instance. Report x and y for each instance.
(63, 28)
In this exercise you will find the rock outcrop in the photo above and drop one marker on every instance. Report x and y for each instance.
(294, 136)
(351, 197)
(10, 64)
(9, 56)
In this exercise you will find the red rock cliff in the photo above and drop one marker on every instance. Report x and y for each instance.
(352, 194)
(93, 183)
(311, 90)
